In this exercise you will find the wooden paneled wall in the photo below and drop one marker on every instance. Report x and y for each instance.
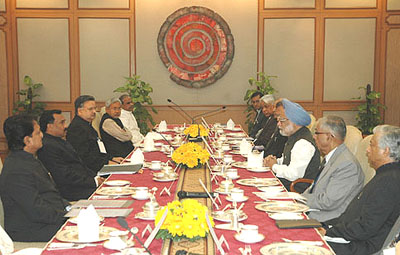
(384, 14)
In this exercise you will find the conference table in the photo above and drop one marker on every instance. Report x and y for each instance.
(188, 181)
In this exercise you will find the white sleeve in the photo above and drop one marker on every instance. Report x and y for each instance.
(130, 124)
(300, 156)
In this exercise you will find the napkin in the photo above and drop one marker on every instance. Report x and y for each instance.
(137, 157)
(162, 127)
(88, 225)
(148, 143)
(245, 147)
(230, 124)
(255, 159)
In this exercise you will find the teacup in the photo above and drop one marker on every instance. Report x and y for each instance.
(219, 153)
(228, 158)
(237, 194)
(156, 164)
(225, 147)
(231, 173)
(249, 232)
(167, 169)
(226, 185)
(142, 192)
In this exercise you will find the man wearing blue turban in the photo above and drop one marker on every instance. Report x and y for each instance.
(300, 158)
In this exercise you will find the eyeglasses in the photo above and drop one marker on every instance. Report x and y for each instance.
(320, 133)
(279, 119)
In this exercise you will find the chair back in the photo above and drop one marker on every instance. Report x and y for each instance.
(353, 138)
(1, 214)
(311, 126)
(1, 165)
(361, 156)
(390, 237)
(96, 122)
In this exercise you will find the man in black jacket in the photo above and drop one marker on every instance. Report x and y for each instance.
(33, 207)
(73, 179)
(260, 118)
(115, 136)
(365, 224)
(83, 137)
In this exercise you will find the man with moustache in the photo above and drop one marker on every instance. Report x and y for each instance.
(370, 216)
(340, 176)
(128, 119)
(300, 158)
(73, 179)
(263, 136)
(115, 136)
(33, 208)
(260, 118)
(84, 138)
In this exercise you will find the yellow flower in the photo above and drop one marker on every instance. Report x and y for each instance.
(190, 154)
(196, 130)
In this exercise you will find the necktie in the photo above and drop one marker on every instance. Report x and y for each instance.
(321, 167)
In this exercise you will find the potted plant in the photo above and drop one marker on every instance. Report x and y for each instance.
(139, 91)
(368, 115)
(262, 84)
(25, 103)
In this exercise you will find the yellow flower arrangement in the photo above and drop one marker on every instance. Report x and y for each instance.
(191, 155)
(196, 130)
(186, 219)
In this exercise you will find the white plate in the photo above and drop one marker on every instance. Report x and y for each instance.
(230, 199)
(144, 216)
(152, 150)
(155, 168)
(121, 191)
(141, 198)
(164, 179)
(262, 169)
(120, 246)
(132, 251)
(242, 164)
(271, 189)
(70, 234)
(117, 183)
(256, 239)
(258, 182)
(233, 129)
(286, 216)
(284, 195)
(74, 220)
(282, 206)
(293, 248)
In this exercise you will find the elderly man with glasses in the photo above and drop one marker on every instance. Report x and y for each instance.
(300, 158)
(340, 176)
(367, 221)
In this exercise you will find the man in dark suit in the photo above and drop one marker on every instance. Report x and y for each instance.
(73, 179)
(83, 137)
(264, 135)
(367, 221)
(116, 137)
(33, 207)
(260, 118)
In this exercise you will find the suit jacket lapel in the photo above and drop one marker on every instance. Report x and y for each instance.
(335, 155)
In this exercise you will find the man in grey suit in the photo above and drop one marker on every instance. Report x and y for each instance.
(340, 178)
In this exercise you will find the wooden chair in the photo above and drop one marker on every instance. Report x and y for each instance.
(362, 158)
(353, 138)
(300, 180)
(390, 237)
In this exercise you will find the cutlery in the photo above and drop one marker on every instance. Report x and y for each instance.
(66, 246)
(317, 243)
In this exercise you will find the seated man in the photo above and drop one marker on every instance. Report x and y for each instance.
(128, 119)
(260, 118)
(83, 137)
(300, 158)
(33, 208)
(264, 135)
(73, 179)
(365, 224)
(340, 176)
(116, 138)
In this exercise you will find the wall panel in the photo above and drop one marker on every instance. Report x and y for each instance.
(3, 81)
(349, 57)
(2, 5)
(104, 4)
(289, 3)
(393, 5)
(289, 54)
(42, 3)
(348, 116)
(43, 50)
(350, 3)
(104, 55)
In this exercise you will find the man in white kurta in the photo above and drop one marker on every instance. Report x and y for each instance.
(129, 121)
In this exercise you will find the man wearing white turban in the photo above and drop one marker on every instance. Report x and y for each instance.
(301, 158)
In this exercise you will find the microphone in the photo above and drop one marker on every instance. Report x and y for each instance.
(185, 194)
(165, 139)
(209, 112)
(122, 222)
(180, 108)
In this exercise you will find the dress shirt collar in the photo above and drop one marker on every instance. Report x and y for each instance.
(329, 155)
(387, 167)
(22, 154)
(79, 119)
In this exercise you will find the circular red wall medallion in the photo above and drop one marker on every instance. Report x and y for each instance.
(196, 45)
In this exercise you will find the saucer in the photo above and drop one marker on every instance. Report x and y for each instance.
(286, 216)
(164, 179)
(255, 239)
(230, 199)
(259, 169)
(120, 245)
(223, 191)
(155, 168)
(144, 216)
(117, 183)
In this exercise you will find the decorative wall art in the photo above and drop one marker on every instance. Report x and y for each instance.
(196, 46)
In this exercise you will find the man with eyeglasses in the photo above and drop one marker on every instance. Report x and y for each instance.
(300, 158)
(128, 119)
(340, 176)
(260, 118)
